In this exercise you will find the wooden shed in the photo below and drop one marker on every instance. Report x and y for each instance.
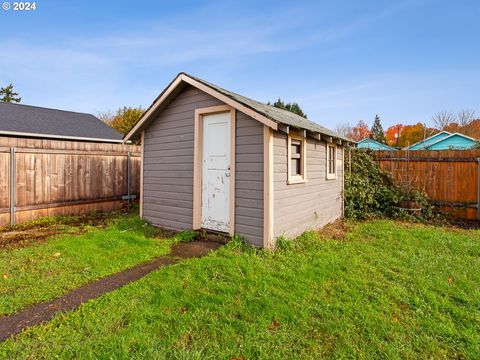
(219, 161)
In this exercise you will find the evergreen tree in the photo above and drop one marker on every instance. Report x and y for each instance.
(292, 107)
(8, 95)
(377, 133)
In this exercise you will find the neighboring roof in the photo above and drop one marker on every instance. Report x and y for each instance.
(34, 121)
(445, 141)
(372, 144)
(454, 141)
(267, 114)
(423, 144)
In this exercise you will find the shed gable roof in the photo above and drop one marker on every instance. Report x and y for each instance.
(266, 114)
(34, 121)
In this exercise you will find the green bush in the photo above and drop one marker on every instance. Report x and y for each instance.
(185, 236)
(370, 192)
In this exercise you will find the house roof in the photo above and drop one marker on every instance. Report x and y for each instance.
(267, 114)
(455, 140)
(34, 121)
(430, 140)
(372, 144)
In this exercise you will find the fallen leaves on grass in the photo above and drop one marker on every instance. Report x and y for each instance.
(274, 325)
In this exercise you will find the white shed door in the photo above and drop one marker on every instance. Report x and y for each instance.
(216, 172)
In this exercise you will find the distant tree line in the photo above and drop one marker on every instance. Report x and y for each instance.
(401, 135)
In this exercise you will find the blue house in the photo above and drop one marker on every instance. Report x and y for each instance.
(371, 144)
(445, 141)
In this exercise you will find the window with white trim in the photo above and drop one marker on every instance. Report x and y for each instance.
(296, 159)
(331, 161)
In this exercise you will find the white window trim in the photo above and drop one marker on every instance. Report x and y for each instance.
(334, 175)
(296, 179)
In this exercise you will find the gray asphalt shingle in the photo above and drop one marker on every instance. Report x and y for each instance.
(273, 113)
(53, 122)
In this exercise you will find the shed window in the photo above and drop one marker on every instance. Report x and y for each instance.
(296, 159)
(331, 162)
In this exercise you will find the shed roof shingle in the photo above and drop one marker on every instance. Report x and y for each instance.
(269, 113)
(53, 123)
(276, 114)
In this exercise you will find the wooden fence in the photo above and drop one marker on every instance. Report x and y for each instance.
(50, 177)
(449, 177)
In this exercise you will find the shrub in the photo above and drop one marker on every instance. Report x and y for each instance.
(371, 192)
(185, 236)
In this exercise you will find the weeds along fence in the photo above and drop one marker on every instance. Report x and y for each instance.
(50, 177)
(449, 177)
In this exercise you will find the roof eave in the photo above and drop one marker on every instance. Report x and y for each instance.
(58, 137)
(185, 78)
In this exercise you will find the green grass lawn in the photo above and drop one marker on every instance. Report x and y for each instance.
(386, 290)
(47, 270)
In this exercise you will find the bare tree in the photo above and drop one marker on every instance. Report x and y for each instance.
(344, 129)
(442, 119)
(465, 116)
(106, 116)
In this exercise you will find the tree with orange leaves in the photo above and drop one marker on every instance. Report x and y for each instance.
(360, 131)
(473, 129)
(412, 134)
(393, 133)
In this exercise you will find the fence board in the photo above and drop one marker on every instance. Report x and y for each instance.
(54, 177)
(448, 177)
(4, 179)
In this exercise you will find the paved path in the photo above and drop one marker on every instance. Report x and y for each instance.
(43, 312)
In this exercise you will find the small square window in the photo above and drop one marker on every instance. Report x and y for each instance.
(296, 160)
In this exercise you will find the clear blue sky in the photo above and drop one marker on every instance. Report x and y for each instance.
(342, 61)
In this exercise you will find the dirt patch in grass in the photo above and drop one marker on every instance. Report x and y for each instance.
(335, 230)
(463, 224)
(193, 249)
(37, 231)
(25, 237)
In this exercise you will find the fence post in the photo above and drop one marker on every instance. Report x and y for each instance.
(129, 159)
(408, 173)
(12, 186)
(478, 188)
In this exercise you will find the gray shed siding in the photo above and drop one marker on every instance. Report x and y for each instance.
(309, 205)
(168, 167)
(249, 179)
